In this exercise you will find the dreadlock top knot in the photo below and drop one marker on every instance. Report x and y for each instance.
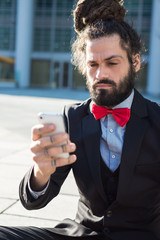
(89, 11)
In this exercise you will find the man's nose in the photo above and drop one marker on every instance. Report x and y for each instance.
(102, 73)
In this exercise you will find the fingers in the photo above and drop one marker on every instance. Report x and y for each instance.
(47, 141)
(69, 147)
(53, 151)
(39, 130)
(51, 161)
(47, 148)
(59, 162)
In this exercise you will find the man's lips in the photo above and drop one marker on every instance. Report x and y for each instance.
(103, 86)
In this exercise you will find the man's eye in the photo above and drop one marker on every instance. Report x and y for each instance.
(113, 63)
(93, 65)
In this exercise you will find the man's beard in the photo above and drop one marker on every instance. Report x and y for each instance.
(117, 94)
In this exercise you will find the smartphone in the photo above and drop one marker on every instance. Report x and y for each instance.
(58, 120)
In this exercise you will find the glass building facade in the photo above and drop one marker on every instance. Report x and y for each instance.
(139, 16)
(52, 32)
(7, 39)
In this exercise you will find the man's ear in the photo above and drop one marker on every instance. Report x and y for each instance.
(136, 62)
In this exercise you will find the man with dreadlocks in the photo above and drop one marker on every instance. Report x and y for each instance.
(113, 138)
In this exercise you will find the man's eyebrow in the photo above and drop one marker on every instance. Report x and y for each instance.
(106, 59)
(91, 62)
(113, 56)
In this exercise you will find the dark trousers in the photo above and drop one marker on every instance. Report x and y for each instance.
(34, 233)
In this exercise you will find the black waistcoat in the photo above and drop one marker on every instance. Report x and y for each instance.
(110, 182)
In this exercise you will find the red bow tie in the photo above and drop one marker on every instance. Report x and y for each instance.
(121, 115)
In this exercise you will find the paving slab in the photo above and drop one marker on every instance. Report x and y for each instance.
(63, 206)
(19, 157)
(11, 144)
(10, 177)
(13, 220)
(6, 203)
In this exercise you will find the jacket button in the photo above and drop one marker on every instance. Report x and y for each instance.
(109, 213)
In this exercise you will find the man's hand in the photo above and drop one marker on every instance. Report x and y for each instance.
(44, 154)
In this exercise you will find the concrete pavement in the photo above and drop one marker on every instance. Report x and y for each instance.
(18, 113)
(19, 110)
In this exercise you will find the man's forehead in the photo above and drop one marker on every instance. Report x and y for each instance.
(105, 40)
(104, 47)
(103, 55)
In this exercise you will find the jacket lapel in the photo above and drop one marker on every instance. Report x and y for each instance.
(91, 137)
(135, 131)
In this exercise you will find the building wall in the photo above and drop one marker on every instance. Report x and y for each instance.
(52, 32)
(139, 15)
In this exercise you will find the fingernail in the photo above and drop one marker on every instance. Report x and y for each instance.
(65, 136)
(72, 146)
(51, 126)
(73, 157)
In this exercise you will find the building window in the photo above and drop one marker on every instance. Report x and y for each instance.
(64, 8)
(7, 24)
(79, 81)
(43, 8)
(52, 33)
(62, 40)
(40, 73)
(42, 40)
(7, 40)
(139, 15)
(52, 26)
(6, 72)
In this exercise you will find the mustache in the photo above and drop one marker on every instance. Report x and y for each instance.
(105, 81)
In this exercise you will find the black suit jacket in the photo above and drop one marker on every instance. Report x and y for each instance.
(136, 212)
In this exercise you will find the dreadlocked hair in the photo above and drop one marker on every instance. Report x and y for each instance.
(89, 11)
(94, 19)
